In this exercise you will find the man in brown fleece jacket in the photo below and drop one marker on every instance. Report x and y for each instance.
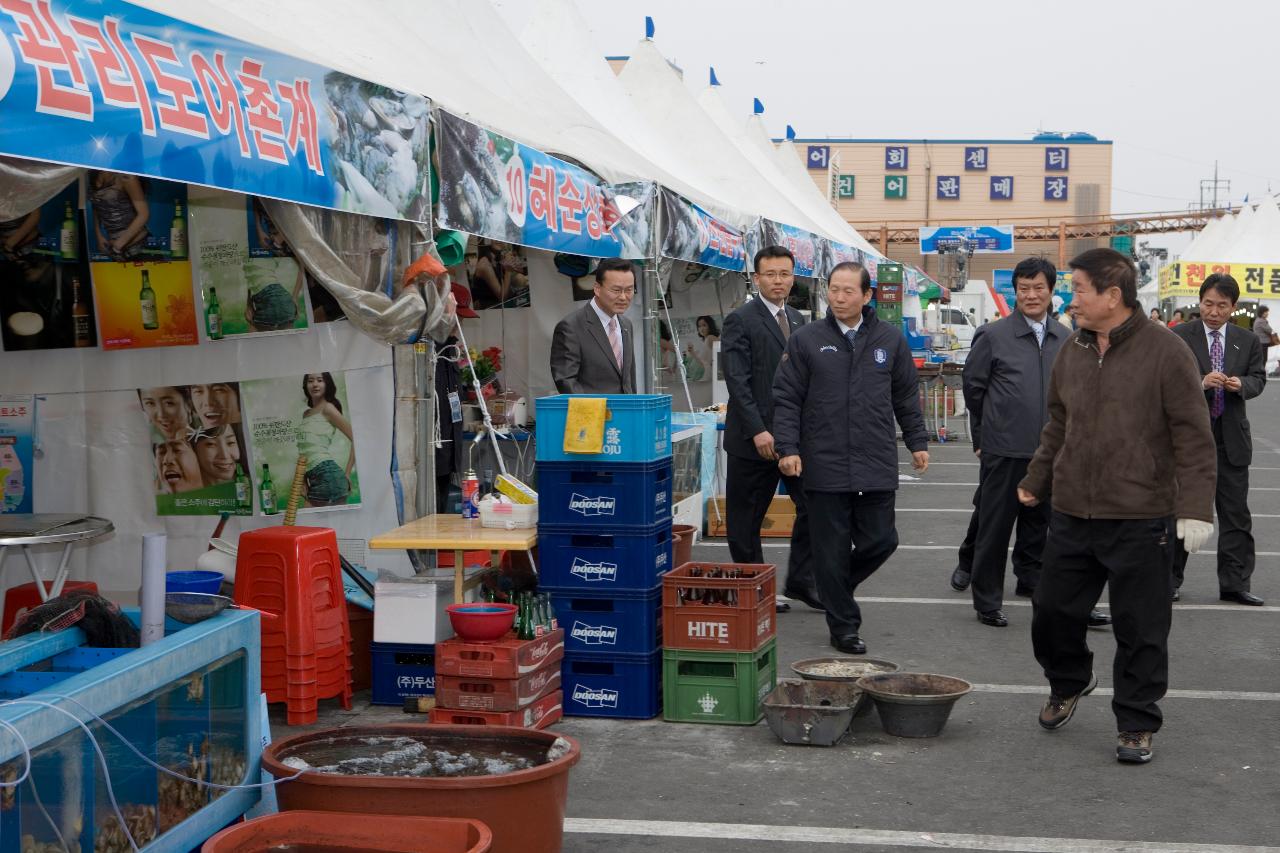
(1123, 462)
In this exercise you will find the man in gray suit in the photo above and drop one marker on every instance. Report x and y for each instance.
(593, 349)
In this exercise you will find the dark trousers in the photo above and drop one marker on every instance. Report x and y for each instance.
(863, 519)
(998, 512)
(964, 560)
(1235, 526)
(751, 485)
(1134, 556)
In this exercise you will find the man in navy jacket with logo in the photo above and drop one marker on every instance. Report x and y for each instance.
(841, 385)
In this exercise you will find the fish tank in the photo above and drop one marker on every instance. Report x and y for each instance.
(189, 703)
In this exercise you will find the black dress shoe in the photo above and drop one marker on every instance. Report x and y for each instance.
(1177, 595)
(1098, 619)
(1241, 597)
(808, 596)
(850, 644)
(960, 579)
(994, 618)
(781, 607)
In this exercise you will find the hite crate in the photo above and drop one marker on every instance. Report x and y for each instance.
(718, 614)
(585, 495)
(625, 686)
(717, 687)
(604, 560)
(637, 428)
(627, 623)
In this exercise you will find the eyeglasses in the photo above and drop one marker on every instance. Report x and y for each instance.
(775, 276)
(630, 291)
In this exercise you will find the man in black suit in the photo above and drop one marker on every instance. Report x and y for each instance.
(751, 346)
(593, 349)
(1234, 369)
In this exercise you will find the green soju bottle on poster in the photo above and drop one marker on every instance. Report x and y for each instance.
(147, 302)
(69, 237)
(213, 316)
(178, 233)
(267, 493)
(243, 489)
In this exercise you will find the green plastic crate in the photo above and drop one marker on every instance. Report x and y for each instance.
(717, 687)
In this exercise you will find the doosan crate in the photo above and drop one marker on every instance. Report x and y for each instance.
(637, 428)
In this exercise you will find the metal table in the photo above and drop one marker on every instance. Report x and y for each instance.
(26, 530)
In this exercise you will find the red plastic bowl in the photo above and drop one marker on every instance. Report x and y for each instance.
(481, 622)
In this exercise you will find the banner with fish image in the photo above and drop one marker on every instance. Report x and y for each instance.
(199, 456)
(46, 300)
(689, 233)
(302, 416)
(494, 187)
(836, 253)
(807, 248)
(106, 83)
(242, 295)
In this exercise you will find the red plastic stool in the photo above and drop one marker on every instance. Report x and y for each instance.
(21, 598)
(294, 572)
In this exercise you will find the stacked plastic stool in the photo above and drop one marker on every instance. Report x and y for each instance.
(604, 540)
(293, 575)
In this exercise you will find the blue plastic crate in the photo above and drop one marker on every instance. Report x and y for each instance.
(625, 623)
(402, 671)
(587, 495)
(607, 559)
(604, 685)
(637, 429)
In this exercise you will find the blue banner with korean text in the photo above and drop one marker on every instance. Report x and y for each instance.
(808, 249)
(689, 233)
(495, 187)
(107, 85)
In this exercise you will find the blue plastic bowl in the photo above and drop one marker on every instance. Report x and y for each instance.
(193, 581)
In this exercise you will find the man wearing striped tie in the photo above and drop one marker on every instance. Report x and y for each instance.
(1233, 365)
(593, 349)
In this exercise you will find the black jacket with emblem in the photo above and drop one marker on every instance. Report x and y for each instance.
(835, 405)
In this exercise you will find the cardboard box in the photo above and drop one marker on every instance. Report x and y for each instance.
(412, 609)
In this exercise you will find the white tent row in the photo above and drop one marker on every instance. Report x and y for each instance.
(462, 54)
(1250, 236)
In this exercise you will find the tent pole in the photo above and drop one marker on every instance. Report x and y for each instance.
(424, 353)
(652, 286)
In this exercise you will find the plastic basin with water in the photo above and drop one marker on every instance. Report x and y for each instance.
(481, 622)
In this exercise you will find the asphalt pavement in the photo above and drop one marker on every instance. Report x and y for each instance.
(993, 780)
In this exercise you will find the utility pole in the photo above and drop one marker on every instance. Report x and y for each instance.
(1210, 187)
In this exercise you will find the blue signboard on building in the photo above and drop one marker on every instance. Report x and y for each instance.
(975, 158)
(1055, 189)
(818, 156)
(895, 157)
(1001, 187)
(983, 238)
(948, 187)
(1056, 158)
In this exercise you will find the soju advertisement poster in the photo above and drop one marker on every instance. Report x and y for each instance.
(17, 419)
(309, 416)
(137, 237)
(45, 296)
(266, 241)
(241, 295)
(198, 449)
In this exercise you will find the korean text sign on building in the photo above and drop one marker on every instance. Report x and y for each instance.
(495, 187)
(107, 85)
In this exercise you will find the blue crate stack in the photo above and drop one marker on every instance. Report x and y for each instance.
(604, 540)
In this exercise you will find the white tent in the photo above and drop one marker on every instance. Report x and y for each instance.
(1207, 236)
(1258, 241)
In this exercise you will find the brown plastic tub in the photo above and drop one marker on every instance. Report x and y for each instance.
(524, 809)
(682, 549)
(321, 831)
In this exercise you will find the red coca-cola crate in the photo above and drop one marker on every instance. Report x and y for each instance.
(507, 658)
(542, 713)
(495, 694)
(740, 619)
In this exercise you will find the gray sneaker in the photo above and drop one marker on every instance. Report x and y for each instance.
(1134, 747)
(1057, 712)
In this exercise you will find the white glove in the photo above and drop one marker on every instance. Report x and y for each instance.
(1193, 533)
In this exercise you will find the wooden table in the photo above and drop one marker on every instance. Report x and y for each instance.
(459, 535)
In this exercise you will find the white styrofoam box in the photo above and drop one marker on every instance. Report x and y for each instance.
(508, 516)
(412, 610)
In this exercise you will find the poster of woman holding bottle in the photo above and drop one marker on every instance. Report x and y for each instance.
(137, 229)
(197, 444)
(306, 416)
(45, 298)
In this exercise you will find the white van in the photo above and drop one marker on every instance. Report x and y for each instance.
(953, 321)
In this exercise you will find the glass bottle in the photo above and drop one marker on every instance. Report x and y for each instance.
(69, 237)
(213, 316)
(178, 233)
(147, 301)
(81, 322)
(243, 491)
(268, 492)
